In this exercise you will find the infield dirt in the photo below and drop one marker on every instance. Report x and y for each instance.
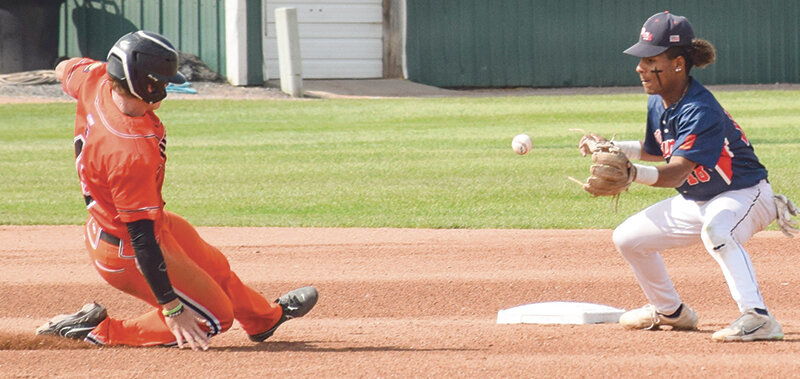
(406, 303)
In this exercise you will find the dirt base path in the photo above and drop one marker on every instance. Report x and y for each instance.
(406, 303)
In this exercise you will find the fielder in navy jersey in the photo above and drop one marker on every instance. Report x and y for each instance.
(700, 130)
(723, 198)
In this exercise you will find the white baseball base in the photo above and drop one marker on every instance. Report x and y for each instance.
(559, 312)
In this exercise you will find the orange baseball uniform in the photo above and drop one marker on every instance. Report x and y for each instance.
(121, 164)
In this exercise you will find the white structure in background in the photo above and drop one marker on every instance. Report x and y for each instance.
(236, 42)
(289, 58)
(339, 39)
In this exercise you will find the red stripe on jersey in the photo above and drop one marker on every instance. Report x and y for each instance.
(687, 145)
(725, 166)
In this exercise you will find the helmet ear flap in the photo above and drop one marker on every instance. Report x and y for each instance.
(156, 90)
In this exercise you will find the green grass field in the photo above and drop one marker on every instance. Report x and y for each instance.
(421, 163)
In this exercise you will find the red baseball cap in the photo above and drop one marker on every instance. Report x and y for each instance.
(660, 32)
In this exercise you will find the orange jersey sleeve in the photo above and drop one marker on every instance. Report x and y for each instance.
(76, 72)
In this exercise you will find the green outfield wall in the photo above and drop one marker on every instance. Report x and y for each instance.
(566, 43)
(90, 27)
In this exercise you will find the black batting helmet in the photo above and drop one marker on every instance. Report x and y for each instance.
(146, 62)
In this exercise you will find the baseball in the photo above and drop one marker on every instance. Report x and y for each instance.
(522, 144)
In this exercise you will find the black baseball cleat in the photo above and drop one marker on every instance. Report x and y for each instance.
(77, 325)
(296, 303)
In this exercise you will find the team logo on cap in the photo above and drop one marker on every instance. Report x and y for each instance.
(674, 38)
(646, 36)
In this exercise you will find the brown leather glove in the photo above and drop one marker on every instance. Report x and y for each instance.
(611, 172)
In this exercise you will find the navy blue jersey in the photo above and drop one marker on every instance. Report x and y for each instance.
(700, 130)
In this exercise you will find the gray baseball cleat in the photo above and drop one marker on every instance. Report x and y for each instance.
(77, 325)
(751, 326)
(296, 303)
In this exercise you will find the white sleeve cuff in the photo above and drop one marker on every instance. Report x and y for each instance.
(632, 149)
(646, 174)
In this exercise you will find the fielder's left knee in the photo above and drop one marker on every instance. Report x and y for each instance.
(716, 238)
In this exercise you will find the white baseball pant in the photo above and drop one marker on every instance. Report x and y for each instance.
(723, 224)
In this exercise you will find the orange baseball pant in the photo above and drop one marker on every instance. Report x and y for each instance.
(200, 275)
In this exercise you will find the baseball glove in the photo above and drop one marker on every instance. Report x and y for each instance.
(611, 172)
(786, 209)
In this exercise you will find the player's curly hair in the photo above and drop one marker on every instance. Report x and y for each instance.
(119, 86)
(701, 53)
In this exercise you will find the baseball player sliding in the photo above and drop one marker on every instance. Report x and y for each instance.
(723, 198)
(135, 244)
